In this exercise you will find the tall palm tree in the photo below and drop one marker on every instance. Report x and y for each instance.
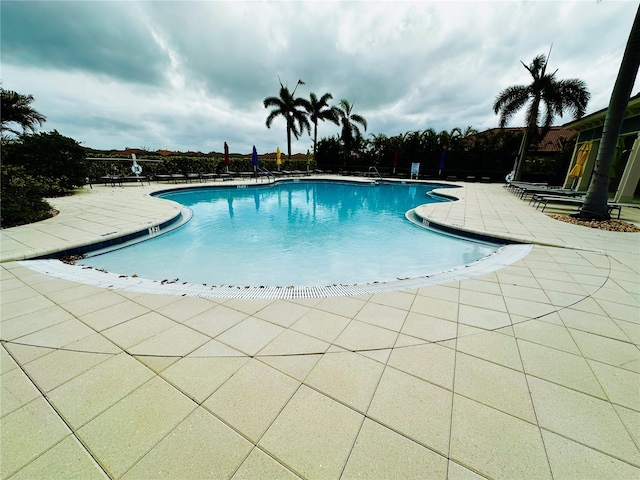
(348, 119)
(595, 203)
(546, 91)
(292, 109)
(16, 108)
(319, 109)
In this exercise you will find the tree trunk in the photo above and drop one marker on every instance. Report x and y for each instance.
(595, 204)
(289, 141)
(315, 138)
(526, 139)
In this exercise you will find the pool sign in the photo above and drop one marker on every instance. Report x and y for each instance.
(415, 169)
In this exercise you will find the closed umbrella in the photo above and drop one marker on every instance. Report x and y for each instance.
(254, 159)
(578, 168)
(308, 159)
(227, 161)
(441, 163)
(278, 161)
(395, 161)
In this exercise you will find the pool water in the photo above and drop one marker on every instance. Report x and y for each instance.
(296, 234)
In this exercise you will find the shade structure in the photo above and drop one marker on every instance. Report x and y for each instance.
(583, 154)
(227, 161)
(278, 155)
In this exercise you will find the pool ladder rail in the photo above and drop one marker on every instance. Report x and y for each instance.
(265, 171)
(372, 168)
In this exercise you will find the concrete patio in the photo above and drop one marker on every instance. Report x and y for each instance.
(532, 371)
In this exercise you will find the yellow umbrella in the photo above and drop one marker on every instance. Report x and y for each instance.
(583, 154)
(278, 161)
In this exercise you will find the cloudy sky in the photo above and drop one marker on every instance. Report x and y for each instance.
(183, 75)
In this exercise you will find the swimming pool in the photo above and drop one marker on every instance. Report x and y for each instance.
(303, 233)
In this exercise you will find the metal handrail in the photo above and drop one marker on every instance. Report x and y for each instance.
(375, 170)
(266, 173)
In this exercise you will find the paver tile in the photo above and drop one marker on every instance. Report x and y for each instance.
(138, 329)
(260, 465)
(494, 385)
(28, 432)
(16, 390)
(60, 366)
(363, 336)
(186, 308)
(583, 418)
(413, 407)
(383, 316)
(496, 444)
(313, 435)
(252, 398)
(108, 317)
(68, 459)
(58, 335)
(176, 341)
(429, 328)
(430, 361)
(345, 306)
(347, 377)
(547, 334)
(199, 377)
(323, 325)
(99, 388)
(570, 460)
(216, 320)
(492, 346)
(382, 453)
(483, 318)
(250, 336)
(621, 386)
(559, 367)
(139, 421)
(282, 313)
(290, 342)
(296, 366)
(19, 326)
(607, 350)
(201, 446)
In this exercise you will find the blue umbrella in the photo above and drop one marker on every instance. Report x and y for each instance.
(254, 158)
(254, 161)
(441, 163)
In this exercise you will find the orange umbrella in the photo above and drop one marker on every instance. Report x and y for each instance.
(583, 154)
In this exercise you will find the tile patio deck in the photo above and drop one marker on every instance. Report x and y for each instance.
(532, 371)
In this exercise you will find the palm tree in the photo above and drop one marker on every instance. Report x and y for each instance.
(292, 109)
(595, 203)
(16, 108)
(350, 130)
(555, 95)
(319, 109)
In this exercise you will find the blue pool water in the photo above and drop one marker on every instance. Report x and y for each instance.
(295, 233)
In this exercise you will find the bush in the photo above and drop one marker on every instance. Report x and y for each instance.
(57, 162)
(22, 200)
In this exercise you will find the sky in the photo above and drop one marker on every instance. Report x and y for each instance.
(189, 76)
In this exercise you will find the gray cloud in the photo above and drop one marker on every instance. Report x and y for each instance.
(192, 75)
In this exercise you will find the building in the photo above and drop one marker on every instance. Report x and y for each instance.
(625, 172)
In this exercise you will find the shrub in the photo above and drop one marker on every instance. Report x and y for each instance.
(22, 200)
(57, 162)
